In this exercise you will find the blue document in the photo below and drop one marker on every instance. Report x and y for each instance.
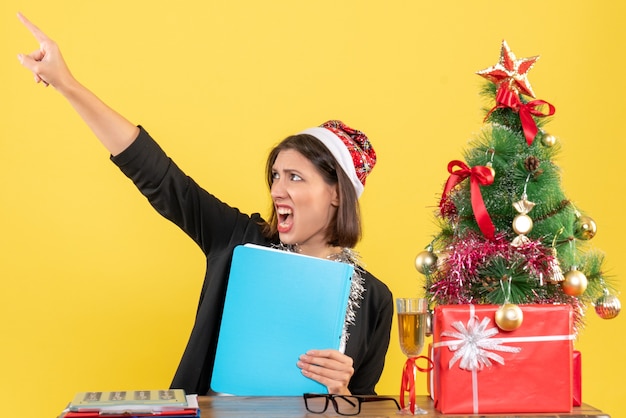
(278, 306)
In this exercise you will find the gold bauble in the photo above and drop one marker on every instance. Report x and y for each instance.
(608, 306)
(489, 165)
(425, 261)
(522, 224)
(509, 317)
(548, 140)
(574, 283)
(585, 228)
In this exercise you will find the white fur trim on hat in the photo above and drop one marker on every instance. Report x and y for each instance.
(336, 146)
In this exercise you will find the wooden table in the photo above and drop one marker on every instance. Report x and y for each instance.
(293, 407)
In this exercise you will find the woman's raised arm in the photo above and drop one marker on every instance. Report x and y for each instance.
(48, 66)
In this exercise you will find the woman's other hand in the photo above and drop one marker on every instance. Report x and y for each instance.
(328, 367)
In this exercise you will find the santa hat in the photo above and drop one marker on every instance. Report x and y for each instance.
(351, 148)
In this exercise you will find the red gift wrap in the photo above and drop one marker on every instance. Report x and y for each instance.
(577, 386)
(430, 375)
(481, 369)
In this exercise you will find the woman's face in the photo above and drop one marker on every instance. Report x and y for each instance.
(305, 204)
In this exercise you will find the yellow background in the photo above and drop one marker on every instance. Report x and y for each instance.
(99, 292)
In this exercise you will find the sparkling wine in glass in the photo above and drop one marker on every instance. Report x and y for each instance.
(412, 324)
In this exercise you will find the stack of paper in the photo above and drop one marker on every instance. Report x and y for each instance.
(135, 403)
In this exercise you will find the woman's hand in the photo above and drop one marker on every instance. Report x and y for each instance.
(46, 63)
(48, 66)
(328, 367)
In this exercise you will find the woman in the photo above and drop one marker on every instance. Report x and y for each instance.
(315, 179)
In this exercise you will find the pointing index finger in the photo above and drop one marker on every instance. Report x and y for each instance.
(37, 33)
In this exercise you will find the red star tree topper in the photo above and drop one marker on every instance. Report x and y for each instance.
(511, 71)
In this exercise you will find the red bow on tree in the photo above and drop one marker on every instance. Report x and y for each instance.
(507, 97)
(479, 176)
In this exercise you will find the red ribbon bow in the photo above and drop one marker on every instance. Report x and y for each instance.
(506, 97)
(479, 176)
(408, 379)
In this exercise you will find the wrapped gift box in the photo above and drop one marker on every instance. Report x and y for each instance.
(577, 382)
(576, 378)
(481, 369)
(430, 375)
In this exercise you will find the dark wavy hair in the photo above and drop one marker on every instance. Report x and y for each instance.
(345, 228)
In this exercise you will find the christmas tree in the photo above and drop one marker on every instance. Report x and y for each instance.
(508, 233)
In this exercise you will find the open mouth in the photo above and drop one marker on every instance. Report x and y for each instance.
(285, 219)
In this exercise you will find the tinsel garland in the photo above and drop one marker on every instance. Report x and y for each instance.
(463, 261)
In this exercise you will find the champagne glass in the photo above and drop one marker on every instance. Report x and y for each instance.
(412, 323)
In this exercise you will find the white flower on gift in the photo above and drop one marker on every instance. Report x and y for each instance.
(474, 345)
